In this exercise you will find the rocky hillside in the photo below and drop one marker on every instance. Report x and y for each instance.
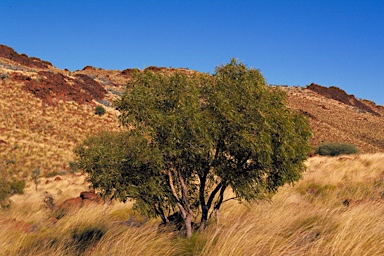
(336, 116)
(46, 111)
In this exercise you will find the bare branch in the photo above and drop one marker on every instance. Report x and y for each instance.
(182, 209)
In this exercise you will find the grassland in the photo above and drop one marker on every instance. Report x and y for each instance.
(337, 209)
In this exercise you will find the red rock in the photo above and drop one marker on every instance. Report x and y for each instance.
(58, 178)
(52, 221)
(88, 68)
(338, 94)
(23, 59)
(52, 87)
(72, 204)
(21, 225)
(91, 196)
(349, 202)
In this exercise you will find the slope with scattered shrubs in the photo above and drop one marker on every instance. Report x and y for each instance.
(333, 121)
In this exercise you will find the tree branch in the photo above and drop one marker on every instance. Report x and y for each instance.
(213, 194)
(229, 199)
(182, 209)
(221, 197)
(184, 190)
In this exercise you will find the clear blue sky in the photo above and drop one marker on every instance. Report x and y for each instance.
(328, 42)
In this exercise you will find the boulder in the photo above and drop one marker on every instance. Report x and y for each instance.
(72, 204)
(90, 197)
(58, 178)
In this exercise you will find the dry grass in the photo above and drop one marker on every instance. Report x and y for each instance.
(35, 135)
(336, 122)
(306, 219)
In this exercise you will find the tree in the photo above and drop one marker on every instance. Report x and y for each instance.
(203, 134)
(35, 177)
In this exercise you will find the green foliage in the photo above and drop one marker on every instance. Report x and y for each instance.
(17, 187)
(125, 166)
(73, 167)
(55, 173)
(9, 188)
(193, 136)
(99, 110)
(35, 177)
(335, 149)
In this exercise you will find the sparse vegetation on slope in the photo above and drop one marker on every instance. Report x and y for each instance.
(332, 121)
(34, 135)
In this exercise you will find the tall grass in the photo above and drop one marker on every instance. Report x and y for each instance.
(306, 219)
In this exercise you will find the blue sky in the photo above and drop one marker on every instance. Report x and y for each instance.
(339, 43)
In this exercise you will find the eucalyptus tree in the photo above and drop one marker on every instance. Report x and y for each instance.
(191, 137)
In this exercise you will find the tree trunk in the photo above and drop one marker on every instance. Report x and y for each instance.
(217, 217)
(188, 224)
(204, 218)
(161, 213)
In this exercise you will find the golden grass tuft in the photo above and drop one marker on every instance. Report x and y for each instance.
(309, 218)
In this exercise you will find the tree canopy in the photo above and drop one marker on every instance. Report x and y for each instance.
(190, 137)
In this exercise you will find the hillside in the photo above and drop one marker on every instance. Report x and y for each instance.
(338, 117)
(46, 111)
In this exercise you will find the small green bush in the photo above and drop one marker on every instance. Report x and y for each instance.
(17, 187)
(73, 167)
(55, 173)
(335, 149)
(100, 110)
(9, 188)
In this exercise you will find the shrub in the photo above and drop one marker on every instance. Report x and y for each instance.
(55, 173)
(73, 167)
(48, 201)
(17, 187)
(100, 110)
(35, 177)
(9, 188)
(335, 149)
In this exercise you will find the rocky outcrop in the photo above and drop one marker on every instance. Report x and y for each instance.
(86, 198)
(341, 96)
(51, 87)
(23, 59)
